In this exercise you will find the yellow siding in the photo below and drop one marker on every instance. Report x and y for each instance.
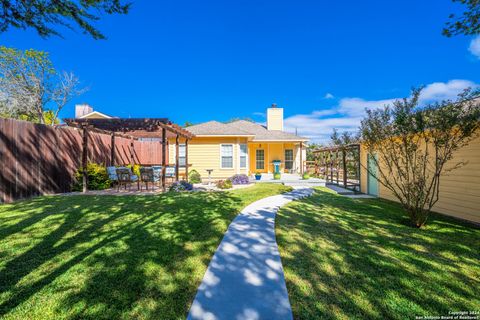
(273, 151)
(459, 189)
(204, 153)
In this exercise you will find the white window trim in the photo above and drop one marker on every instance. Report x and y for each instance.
(263, 159)
(240, 155)
(233, 156)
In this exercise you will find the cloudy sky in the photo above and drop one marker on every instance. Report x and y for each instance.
(324, 62)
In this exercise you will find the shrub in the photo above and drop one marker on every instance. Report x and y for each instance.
(239, 179)
(97, 178)
(224, 184)
(180, 186)
(305, 176)
(135, 169)
(194, 176)
(277, 176)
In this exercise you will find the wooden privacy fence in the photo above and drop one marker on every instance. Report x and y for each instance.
(39, 159)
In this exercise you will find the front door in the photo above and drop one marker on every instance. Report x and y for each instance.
(260, 160)
(372, 182)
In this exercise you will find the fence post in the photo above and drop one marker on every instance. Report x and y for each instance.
(177, 157)
(112, 151)
(344, 160)
(164, 151)
(186, 160)
(84, 158)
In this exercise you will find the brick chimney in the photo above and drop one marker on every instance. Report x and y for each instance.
(82, 109)
(275, 118)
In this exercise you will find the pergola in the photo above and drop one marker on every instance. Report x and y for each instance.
(135, 129)
(339, 165)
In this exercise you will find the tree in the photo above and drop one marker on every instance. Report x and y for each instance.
(43, 15)
(345, 138)
(414, 145)
(468, 23)
(30, 87)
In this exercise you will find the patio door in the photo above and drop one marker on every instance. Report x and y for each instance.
(372, 182)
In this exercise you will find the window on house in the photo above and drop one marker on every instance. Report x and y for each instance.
(243, 156)
(260, 159)
(181, 155)
(227, 156)
(288, 159)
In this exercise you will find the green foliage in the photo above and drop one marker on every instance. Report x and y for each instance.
(135, 169)
(97, 178)
(305, 176)
(224, 184)
(32, 89)
(277, 176)
(415, 143)
(468, 23)
(345, 138)
(194, 176)
(310, 148)
(43, 15)
(334, 247)
(100, 257)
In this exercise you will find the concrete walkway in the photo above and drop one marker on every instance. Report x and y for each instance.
(245, 277)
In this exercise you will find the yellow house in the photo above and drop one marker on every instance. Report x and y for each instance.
(241, 147)
(459, 189)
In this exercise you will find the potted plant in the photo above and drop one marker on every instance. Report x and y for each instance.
(258, 176)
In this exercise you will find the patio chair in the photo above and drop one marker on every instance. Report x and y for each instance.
(157, 174)
(170, 172)
(112, 174)
(147, 175)
(125, 176)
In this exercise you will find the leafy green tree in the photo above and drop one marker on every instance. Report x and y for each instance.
(416, 144)
(45, 15)
(30, 87)
(468, 23)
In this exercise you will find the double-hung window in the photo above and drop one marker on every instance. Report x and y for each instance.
(243, 155)
(288, 159)
(226, 154)
(260, 159)
(181, 155)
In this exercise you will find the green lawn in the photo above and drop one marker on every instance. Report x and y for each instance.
(111, 257)
(358, 258)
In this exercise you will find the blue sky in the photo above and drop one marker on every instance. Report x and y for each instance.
(323, 61)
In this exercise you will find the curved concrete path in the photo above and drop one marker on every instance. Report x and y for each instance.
(245, 278)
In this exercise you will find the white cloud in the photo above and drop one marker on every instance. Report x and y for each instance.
(445, 90)
(474, 47)
(346, 116)
(329, 96)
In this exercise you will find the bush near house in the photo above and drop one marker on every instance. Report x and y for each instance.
(239, 179)
(97, 178)
(224, 184)
(182, 185)
(305, 176)
(194, 176)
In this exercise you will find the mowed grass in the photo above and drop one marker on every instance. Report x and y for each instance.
(112, 257)
(358, 259)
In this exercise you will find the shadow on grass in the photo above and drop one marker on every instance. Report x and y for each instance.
(108, 257)
(357, 258)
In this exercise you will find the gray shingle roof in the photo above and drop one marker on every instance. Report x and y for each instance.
(243, 127)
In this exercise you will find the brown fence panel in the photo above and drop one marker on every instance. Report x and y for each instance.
(39, 159)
